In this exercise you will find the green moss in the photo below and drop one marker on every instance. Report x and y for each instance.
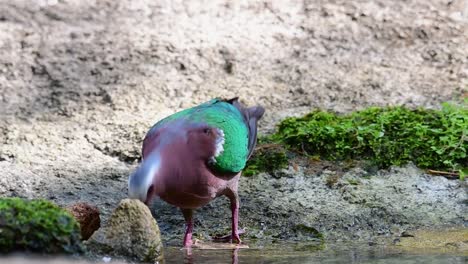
(268, 157)
(154, 254)
(306, 230)
(387, 136)
(353, 182)
(37, 226)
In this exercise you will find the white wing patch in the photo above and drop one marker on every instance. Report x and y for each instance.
(219, 148)
(219, 143)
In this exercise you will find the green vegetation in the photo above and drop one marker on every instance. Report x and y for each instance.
(37, 226)
(309, 231)
(436, 139)
(268, 157)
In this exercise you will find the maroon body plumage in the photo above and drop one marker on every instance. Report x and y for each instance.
(191, 188)
(178, 158)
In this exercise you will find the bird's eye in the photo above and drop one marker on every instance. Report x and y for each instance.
(206, 131)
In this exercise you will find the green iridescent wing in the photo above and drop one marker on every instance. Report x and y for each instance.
(223, 115)
(229, 119)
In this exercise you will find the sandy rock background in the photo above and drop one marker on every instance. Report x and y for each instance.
(82, 81)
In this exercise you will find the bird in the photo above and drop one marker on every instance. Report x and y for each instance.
(195, 155)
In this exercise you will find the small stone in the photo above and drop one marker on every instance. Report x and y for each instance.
(131, 231)
(406, 234)
(87, 216)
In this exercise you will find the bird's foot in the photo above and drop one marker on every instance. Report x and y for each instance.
(235, 238)
(229, 238)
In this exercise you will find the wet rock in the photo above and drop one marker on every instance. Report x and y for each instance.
(88, 217)
(285, 173)
(406, 234)
(131, 232)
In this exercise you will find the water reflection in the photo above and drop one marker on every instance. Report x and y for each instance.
(281, 254)
(287, 254)
(190, 257)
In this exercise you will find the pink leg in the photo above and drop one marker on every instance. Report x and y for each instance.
(188, 213)
(235, 218)
(235, 256)
(234, 237)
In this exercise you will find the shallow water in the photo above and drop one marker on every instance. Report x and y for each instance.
(335, 254)
(286, 254)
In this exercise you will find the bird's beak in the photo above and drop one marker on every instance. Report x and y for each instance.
(140, 183)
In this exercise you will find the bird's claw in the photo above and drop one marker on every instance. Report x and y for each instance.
(235, 238)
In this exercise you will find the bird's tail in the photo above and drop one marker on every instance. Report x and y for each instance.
(140, 182)
(251, 117)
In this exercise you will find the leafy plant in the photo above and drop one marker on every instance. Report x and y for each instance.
(37, 226)
(463, 173)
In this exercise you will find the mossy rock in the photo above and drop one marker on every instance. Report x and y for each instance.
(131, 232)
(37, 226)
(433, 139)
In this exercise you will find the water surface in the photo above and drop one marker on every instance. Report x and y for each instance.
(294, 253)
(285, 253)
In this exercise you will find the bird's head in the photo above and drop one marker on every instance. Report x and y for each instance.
(170, 155)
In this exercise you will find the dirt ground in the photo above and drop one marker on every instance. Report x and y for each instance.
(82, 81)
